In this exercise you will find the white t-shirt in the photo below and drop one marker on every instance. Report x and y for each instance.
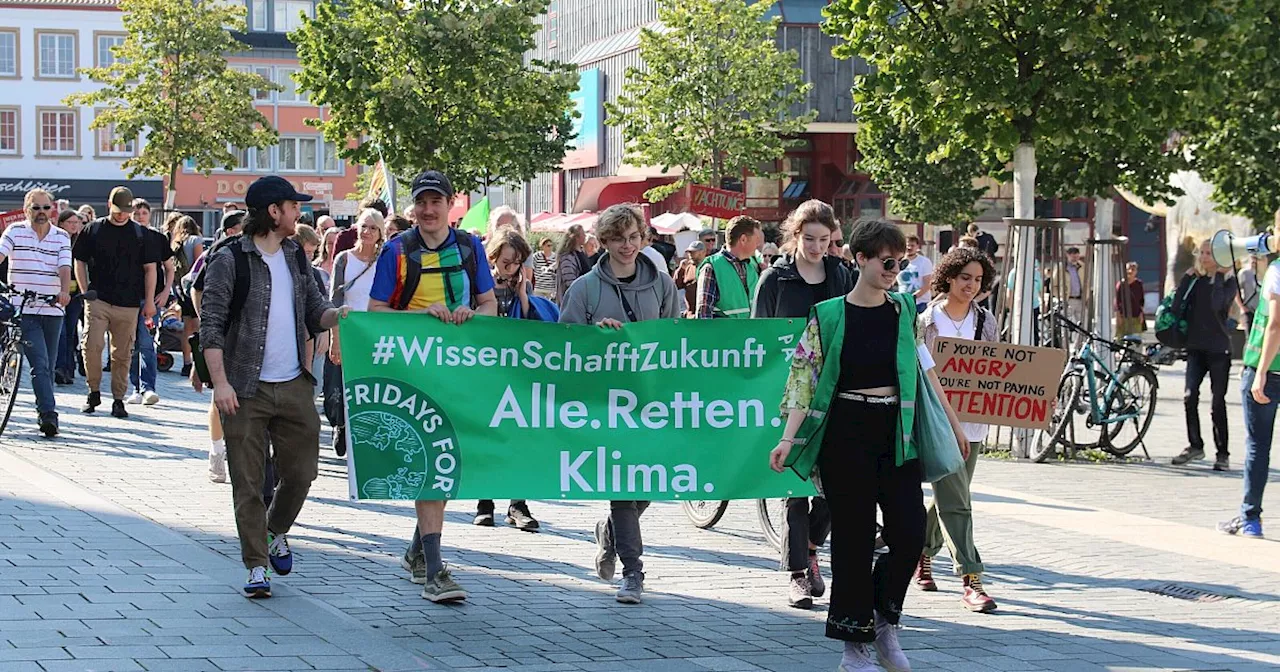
(1271, 283)
(912, 277)
(657, 258)
(280, 354)
(974, 431)
(357, 294)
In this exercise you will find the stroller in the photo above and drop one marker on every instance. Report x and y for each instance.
(168, 337)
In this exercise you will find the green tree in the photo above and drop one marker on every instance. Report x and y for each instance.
(170, 81)
(438, 84)
(1238, 147)
(714, 96)
(925, 185)
(1091, 88)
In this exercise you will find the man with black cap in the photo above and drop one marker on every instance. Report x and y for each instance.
(113, 262)
(259, 305)
(438, 270)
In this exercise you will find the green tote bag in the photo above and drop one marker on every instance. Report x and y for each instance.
(935, 442)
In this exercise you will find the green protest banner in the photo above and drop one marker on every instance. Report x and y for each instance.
(498, 408)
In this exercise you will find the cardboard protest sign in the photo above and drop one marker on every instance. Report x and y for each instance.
(999, 383)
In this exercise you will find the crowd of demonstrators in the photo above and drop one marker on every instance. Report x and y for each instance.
(856, 366)
(436, 270)
(143, 362)
(624, 287)
(1129, 299)
(350, 286)
(686, 275)
(39, 256)
(961, 278)
(114, 261)
(253, 332)
(803, 277)
(727, 280)
(544, 270)
(1260, 388)
(916, 277)
(571, 260)
(1208, 290)
(69, 359)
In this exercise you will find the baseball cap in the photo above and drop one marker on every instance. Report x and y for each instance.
(272, 189)
(232, 218)
(431, 180)
(121, 200)
(696, 246)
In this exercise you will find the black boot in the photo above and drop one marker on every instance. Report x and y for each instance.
(49, 423)
(92, 402)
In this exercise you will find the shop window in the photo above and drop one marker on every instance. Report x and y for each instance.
(1075, 209)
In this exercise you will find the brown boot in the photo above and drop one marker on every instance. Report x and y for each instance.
(975, 596)
(924, 575)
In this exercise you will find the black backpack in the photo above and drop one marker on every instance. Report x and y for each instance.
(240, 292)
(413, 247)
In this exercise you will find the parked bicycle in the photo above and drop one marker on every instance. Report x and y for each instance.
(1098, 406)
(705, 514)
(11, 345)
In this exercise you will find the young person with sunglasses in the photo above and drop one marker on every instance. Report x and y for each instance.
(850, 407)
(962, 276)
(804, 277)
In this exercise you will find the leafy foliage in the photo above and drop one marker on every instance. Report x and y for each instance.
(715, 95)
(1238, 147)
(170, 80)
(440, 85)
(1096, 86)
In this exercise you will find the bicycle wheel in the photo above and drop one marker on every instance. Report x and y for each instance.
(1069, 391)
(704, 514)
(1134, 395)
(10, 375)
(772, 512)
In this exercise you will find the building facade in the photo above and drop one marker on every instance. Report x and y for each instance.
(44, 143)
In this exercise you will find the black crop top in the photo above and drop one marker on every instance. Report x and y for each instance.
(869, 356)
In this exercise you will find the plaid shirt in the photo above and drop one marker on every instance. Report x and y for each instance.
(243, 340)
(709, 290)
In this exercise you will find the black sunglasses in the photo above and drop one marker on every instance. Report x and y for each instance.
(893, 263)
(42, 207)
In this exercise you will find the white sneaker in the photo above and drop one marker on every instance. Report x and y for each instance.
(217, 467)
(150, 398)
(888, 650)
(135, 398)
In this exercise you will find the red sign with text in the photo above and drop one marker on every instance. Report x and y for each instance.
(11, 217)
(716, 202)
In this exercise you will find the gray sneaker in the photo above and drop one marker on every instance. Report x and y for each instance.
(800, 593)
(606, 556)
(817, 586)
(1188, 455)
(632, 588)
(442, 588)
(416, 566)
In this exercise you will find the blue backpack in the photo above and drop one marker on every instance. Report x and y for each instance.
(539, 309)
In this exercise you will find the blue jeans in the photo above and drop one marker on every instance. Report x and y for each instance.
(40, 334)
(69, 341)
(1259, 421)
(144, 358)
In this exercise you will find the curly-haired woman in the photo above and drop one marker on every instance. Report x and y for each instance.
(962, 275)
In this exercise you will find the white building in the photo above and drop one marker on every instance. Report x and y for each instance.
(43, 142)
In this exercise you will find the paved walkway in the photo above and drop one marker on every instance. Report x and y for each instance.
(118, 554)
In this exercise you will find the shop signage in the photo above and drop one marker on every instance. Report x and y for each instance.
(714, 202)
(586, 149)
(343, 208)
(77, 191)
(239, 187)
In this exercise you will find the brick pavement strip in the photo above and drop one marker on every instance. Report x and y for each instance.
(130, 530)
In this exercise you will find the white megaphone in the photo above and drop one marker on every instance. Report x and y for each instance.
(1228, 248)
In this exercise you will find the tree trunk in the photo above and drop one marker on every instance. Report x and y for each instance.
(1104, 266)
(1024, 207)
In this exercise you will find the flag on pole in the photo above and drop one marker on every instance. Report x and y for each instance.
(381, 187)
(477, 218)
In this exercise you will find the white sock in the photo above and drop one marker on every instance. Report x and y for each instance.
(218, 447)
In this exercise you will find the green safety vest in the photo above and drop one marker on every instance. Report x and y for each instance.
(1253, 349)
(735, 299)
(830, 316)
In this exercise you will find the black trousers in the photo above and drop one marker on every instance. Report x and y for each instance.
(1218, 366)
(858, 471)
(806, 523)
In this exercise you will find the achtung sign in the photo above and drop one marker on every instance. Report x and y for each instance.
(999, 383)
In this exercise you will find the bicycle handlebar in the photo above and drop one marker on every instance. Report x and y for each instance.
(27, 294)
(1112, 345)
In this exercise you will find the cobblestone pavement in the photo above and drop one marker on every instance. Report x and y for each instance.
(116, 553)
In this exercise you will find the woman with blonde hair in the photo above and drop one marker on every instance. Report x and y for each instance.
(352, 281)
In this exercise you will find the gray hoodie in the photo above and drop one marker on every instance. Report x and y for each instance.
(598, 295)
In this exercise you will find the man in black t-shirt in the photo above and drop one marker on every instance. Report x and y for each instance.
(113, 262)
